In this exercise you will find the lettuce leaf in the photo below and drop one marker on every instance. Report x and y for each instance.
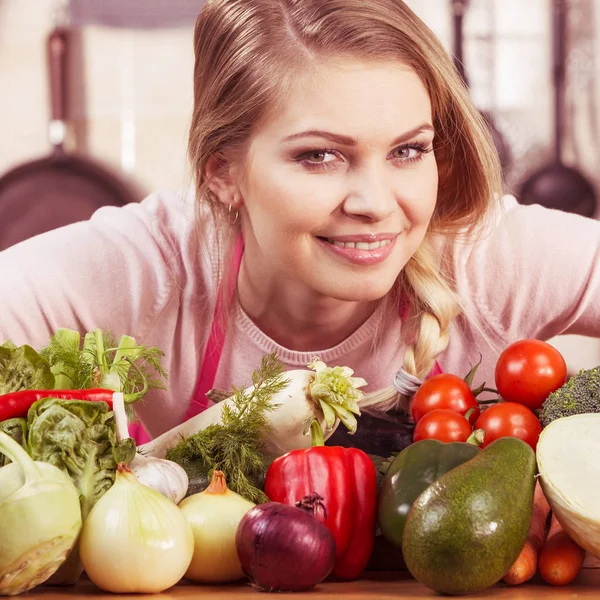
(23, 368)
(79, 438)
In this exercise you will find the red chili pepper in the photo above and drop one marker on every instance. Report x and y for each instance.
(16, 404)
(346, 480)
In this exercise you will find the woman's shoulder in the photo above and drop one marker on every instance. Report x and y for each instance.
(529, 270)
(170, 216)
(519, 234)
(121, 269)
(182, 230)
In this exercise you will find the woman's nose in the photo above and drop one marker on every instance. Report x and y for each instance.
(371, 194)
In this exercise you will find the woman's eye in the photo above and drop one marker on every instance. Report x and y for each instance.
(319, 159)
(411, 153)
(407, 153)
(318, 156)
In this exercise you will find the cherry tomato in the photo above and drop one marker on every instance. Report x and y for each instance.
(509, 419)
(444, 391)
(528, 371)
(444, 425)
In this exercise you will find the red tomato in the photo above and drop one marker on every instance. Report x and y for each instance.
(509, 419)
(444, 391)
(528, 371)
(444, 425)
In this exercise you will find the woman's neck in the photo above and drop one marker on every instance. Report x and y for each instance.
(296, 319)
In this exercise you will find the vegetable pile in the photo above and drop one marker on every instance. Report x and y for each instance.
(490, 491)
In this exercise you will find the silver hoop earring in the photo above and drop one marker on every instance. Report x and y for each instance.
(232, 219)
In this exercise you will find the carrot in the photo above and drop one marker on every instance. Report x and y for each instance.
(561, 558)
(525, 567)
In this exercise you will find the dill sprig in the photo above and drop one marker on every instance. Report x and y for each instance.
(102, 360)
(234, 445)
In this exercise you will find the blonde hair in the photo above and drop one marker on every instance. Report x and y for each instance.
(247, 51)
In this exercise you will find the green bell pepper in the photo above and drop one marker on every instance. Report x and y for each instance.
(411, 472)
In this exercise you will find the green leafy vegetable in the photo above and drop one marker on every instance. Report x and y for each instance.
(122, 366)
(23, 368)
(16, 429)
(79, 438)
(233, 446)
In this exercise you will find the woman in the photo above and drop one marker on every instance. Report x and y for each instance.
(347, 189)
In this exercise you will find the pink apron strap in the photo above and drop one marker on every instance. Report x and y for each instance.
(216, 338)
(436, 370)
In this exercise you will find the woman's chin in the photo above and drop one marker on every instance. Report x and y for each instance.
(360, 290)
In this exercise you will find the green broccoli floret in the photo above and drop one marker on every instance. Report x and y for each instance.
(581, 394)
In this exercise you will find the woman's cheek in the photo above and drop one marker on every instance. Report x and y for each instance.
(426, 189)
(305, 202)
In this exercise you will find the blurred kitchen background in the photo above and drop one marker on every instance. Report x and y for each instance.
(129, 98)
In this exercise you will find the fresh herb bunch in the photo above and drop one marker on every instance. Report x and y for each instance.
(233, 446)
(102, 361)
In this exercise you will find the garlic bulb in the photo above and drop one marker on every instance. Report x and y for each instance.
(164, 476)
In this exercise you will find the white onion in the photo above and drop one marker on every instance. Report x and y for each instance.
(135, 539)
(568, 458)
(214, 515)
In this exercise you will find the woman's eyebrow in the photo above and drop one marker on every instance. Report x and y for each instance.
(350, 141)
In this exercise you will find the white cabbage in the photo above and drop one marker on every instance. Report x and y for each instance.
(568, 458)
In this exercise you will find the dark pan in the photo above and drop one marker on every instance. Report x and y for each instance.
(557, 185)
(61, 188)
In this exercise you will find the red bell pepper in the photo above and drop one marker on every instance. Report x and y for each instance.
(346, 480)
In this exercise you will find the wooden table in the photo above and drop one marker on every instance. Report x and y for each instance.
(381, 585)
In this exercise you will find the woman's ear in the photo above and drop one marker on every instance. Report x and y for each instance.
(221, 182)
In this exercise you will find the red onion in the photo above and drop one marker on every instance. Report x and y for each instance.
(283, 548)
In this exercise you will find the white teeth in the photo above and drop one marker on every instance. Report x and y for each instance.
(360, 245)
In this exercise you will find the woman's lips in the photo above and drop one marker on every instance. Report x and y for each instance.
(361, 250)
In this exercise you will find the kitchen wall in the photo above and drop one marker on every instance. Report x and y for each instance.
(507, 54)
(508, 59)
(130, 93)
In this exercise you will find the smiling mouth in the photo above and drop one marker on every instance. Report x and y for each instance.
(358, 245)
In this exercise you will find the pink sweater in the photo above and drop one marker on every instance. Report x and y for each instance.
(141, 270)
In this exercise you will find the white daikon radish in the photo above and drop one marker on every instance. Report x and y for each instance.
(568, 458)
(308, 410)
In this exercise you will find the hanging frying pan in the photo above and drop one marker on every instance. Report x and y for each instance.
(557, 185)
(61, 188)
(459, 8)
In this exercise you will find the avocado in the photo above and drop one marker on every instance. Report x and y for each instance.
(466, 529)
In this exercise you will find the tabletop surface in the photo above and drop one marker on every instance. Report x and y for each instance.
(382, 585)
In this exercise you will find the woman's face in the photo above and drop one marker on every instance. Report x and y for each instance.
(340, 182)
